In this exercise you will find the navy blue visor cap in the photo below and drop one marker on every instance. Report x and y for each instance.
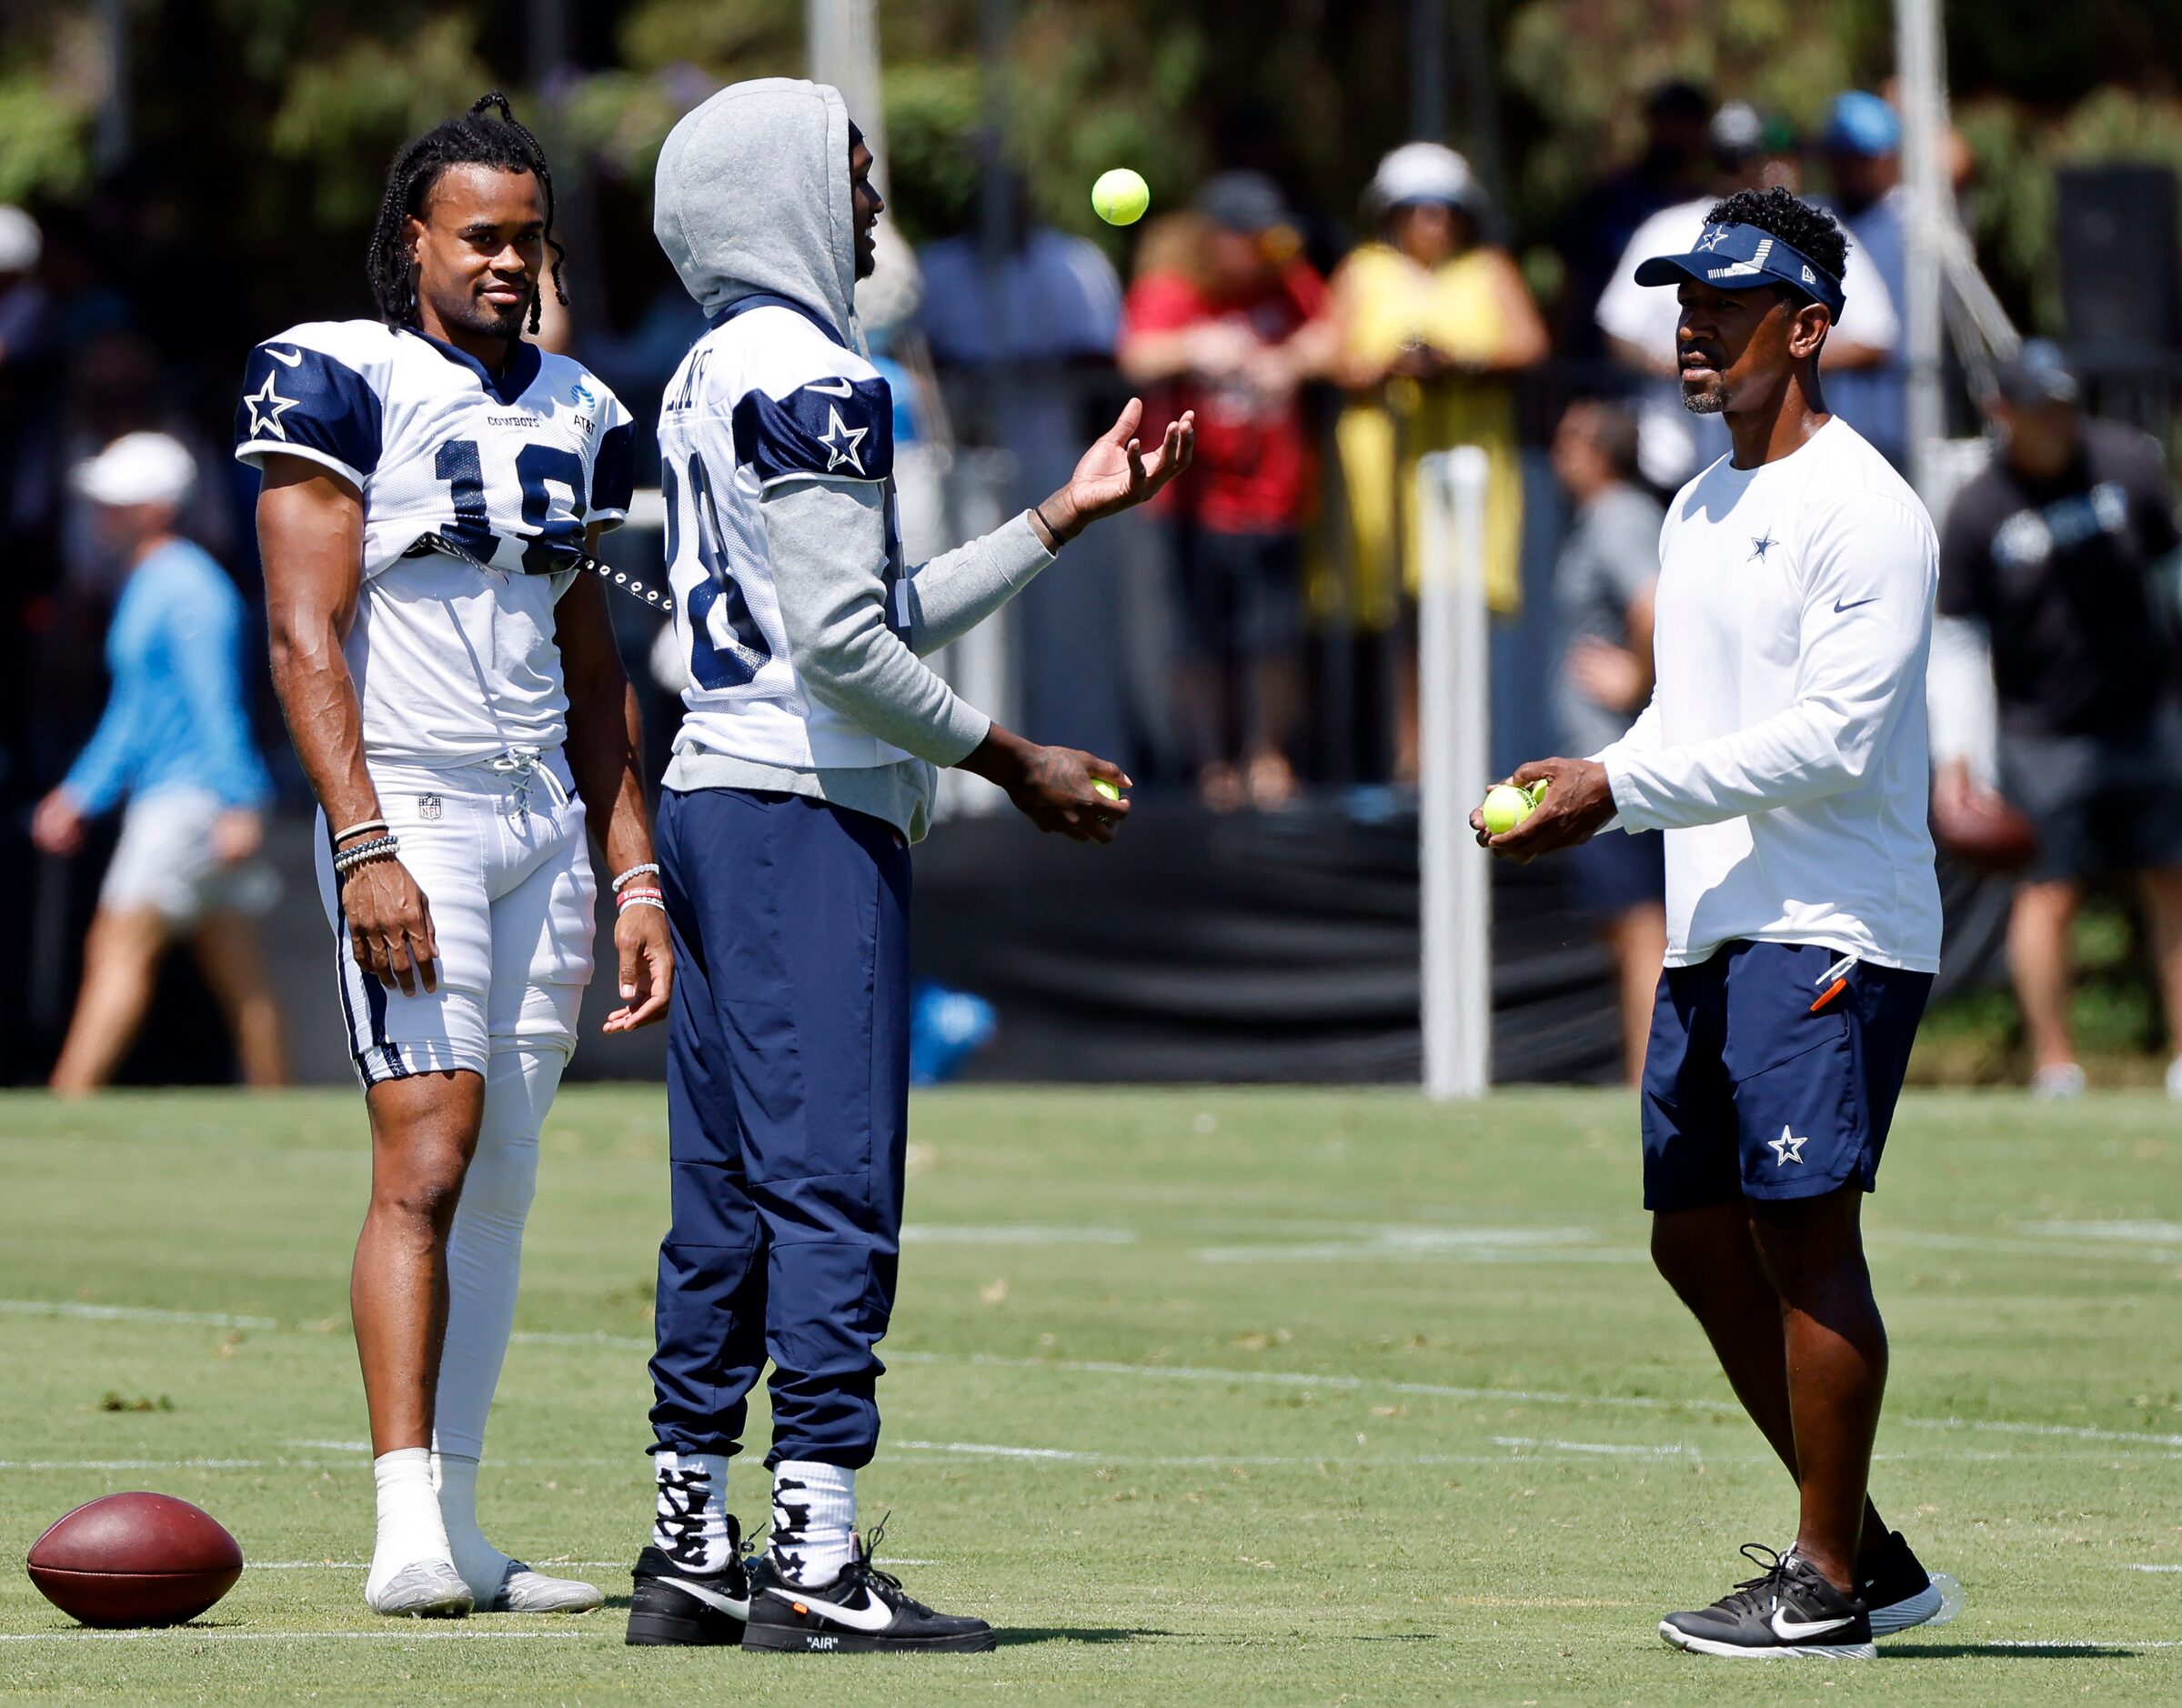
(1739, 257)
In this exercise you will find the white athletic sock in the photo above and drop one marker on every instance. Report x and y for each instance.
(814, 1520)
(409, 1526)
(485, 1246)
(689, 1525)
(482, 1565)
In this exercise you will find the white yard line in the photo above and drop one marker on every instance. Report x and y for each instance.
(1635, 1451)
(2152, 1568)
(937, 1233)
(1331, 1382)
(128, 1313)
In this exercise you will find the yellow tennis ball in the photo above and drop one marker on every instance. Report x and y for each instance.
(1506, 806)
(1101, 786)
(1120, 197)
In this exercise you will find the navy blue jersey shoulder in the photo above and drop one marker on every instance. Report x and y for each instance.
(295, 396)
(614, 469)
(840, 426)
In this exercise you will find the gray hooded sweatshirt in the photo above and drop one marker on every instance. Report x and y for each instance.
(804, 631)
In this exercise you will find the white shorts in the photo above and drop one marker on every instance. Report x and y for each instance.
(165, 861)
(505, 871)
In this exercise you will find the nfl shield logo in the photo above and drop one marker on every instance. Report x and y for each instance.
(428, 807)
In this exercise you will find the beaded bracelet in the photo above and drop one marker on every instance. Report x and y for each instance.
(360, 827)
(632, 874)
(378, 848)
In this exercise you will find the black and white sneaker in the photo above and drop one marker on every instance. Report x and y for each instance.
(672, 1605)
(1786, 1611)
(1897, 1589)
(864, 1611)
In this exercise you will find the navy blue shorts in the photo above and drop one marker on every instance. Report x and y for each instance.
(1747, 1094)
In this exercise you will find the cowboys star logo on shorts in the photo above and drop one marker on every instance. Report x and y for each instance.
(1788, 1148)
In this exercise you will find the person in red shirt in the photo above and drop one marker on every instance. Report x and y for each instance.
(1227, 318)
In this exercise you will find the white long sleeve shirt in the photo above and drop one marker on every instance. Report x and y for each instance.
(1784, 752)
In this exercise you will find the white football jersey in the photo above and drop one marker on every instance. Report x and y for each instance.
(769, 393)
(453, 664)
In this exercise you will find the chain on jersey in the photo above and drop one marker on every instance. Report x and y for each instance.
(769, 395)
(452, 664)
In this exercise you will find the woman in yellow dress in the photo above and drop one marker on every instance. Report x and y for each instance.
(1433, 320)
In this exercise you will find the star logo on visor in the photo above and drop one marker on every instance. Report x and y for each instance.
(1712, 239)
(267, 407)
(842, 442)
(1788, 1148)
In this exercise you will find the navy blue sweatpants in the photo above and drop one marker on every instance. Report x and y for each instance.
(787, 1115)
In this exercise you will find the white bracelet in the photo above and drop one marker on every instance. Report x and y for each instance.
(634, 873)
(640, 902)
(360, 827)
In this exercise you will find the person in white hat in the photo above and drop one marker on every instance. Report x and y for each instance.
(1435, 319)
(176, 741)
(22, 298)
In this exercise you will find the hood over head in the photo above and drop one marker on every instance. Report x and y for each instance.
(752, 197)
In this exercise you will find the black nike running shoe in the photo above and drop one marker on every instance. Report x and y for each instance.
(1896, 1586)
(672, 1605)
(864, 1611)
(1787, 1611)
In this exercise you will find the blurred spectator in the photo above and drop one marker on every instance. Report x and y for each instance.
(115, 388)
(1430, 318)
(2061, 551)
(1226, 317)
(23, 305)
(1672, 169)
(1862, 144)
(176, 741)
(1603, 582)
(1049, 297)
(1640, 324)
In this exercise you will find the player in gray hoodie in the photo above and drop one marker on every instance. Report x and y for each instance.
(805, 766)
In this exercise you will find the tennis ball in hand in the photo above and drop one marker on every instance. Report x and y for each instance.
(1506, 806)
(1120, 197)
(1101, 786)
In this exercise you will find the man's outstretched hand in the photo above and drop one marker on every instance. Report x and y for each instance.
(1052, 786)
(1578, 801)
(1115, 474)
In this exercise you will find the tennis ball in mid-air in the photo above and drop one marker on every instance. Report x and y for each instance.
(1506, 806)
(1120, 197)
(1101, 786)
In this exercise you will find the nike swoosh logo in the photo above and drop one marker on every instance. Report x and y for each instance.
(286, 358)
(1839, 607)
(725, 1603)
(873, 1615)
(1794, 1630)
(839, 390)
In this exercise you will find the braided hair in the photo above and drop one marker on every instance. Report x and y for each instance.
(471, 140)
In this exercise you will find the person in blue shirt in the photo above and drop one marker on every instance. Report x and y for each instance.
(1862, 143)
(175, 741)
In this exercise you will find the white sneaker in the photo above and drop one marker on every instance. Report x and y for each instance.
(525, 1591)
(2063, 1080)
(2174, 1078)
(431, 1589)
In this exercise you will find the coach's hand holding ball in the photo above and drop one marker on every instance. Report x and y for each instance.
(1569, 801)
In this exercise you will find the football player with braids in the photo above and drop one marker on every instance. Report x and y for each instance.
(432, 482)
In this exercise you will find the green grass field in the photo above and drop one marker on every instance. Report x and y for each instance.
(1198, 1394)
